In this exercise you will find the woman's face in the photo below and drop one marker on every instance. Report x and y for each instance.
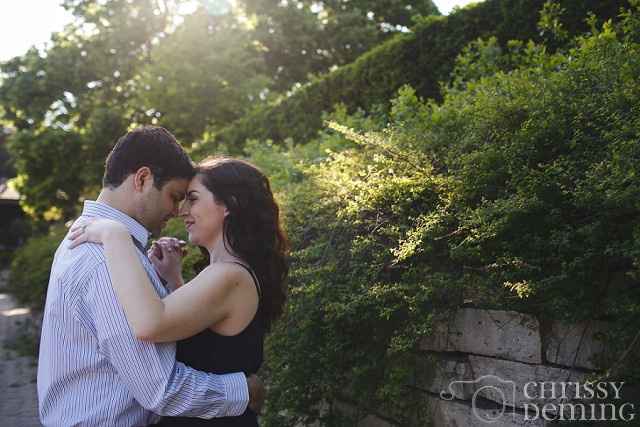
(203, 216)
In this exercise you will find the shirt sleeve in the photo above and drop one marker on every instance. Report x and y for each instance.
(150, 370)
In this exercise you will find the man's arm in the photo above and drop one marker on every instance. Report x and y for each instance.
(150, 371)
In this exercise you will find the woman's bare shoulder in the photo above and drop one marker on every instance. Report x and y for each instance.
(226, 274)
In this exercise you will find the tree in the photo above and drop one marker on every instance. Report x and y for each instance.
(6, 168)
(70, 102)
(123, 63)
(303, 37)
(204, 74)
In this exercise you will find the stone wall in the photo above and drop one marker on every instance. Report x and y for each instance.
(475, 366)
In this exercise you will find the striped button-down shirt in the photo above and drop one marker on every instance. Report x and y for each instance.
(93, 371)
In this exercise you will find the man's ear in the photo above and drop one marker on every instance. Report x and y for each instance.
(143, 177)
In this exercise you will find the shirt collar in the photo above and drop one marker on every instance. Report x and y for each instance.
(102, 210)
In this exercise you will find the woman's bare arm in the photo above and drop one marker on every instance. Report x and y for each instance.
(187, 311)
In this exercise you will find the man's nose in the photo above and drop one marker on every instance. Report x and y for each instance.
(183, 209)
(175, 211)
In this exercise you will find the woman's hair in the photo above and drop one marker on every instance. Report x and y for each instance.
(252, 228)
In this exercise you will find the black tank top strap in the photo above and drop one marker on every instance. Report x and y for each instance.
(253, 275)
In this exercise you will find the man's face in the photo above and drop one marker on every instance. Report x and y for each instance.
(159, 206)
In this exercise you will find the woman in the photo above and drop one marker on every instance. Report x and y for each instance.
(220, 317)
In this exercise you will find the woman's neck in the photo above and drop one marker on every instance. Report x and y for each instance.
(219, 253)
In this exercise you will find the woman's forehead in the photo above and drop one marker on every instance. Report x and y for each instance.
(196, 184)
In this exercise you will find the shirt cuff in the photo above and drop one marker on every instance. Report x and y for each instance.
(237, 393)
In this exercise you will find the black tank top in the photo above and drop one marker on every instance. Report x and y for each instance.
(222, 354)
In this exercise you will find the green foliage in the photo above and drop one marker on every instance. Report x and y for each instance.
(26, 342)
(505, 175)
(519, 191)
(6, 169)
(422, 58)
(123, 63)
(68, 104)
(219, 77)
(345, 283)
(302, 38)
(47, 179)
(31, 266)
(545, 202)
(118, 64)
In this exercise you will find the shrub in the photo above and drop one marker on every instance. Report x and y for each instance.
(519, 191)
(31, 266)
(422, 59)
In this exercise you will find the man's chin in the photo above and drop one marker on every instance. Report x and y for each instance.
(156, 231)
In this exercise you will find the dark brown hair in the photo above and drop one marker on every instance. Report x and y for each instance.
(151, 146)
(252, 228)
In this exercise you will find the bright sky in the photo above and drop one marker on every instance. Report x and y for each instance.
(445, 6)
(24, 23)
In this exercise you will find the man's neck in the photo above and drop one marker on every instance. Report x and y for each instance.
(117, 201)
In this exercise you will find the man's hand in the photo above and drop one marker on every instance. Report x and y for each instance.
(256, 393)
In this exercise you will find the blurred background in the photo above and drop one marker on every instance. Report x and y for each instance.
(429, 156)
(32, 22)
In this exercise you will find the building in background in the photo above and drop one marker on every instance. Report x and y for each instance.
(11, 215)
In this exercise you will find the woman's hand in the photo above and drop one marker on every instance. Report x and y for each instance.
(166, 256)
(95, 231)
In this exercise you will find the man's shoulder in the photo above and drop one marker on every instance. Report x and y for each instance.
(78, 262)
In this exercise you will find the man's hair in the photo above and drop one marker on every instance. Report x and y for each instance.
(150, 146)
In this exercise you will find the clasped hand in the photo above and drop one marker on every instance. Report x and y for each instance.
(166, 256)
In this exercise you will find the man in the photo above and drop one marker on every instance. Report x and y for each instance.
(92, 370)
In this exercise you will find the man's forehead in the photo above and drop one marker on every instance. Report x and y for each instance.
(177, 184)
